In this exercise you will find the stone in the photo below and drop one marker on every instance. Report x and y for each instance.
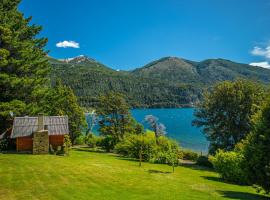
(41, 142)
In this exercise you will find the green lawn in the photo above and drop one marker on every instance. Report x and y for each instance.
(88, 175)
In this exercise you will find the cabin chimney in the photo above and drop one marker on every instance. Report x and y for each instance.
(40, 122)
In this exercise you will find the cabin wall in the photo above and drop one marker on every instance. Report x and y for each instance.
(24, 143)
(56, 140)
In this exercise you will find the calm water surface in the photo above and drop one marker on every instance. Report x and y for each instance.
(178, 126)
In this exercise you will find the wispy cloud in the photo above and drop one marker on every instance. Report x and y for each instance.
(261, 64)
(264, 52)
(68, 44)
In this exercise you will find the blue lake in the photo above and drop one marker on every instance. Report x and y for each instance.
(178, 126)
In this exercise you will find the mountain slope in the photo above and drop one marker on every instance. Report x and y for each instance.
(90, 78)
(167, 82)
(176, 70)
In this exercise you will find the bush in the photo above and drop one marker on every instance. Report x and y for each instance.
(80, 140)
(107, 143)
(230, 166)
(4, 144)
(161, 150)
(67, 145)
(91, 140)
(132, 144)
(189, 155)
(166, 151)
(204, 161)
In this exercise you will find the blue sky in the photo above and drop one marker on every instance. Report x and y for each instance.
(125, 34)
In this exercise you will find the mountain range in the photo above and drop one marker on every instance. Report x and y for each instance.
(167, 82)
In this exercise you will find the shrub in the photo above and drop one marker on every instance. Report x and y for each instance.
(204, 161)
(67, 145)
(4, 144)
(166, 150)
(91, 141)
(189, 155)
(80, 140)
(132, 144)
(230, 166)
(107, 143)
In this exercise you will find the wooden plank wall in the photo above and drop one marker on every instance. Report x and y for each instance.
(24, 143)
(56, 140)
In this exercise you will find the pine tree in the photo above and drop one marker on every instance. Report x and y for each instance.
(24, 67)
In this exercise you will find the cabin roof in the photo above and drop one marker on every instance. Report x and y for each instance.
(25, 126)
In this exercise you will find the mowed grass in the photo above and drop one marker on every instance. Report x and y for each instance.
(91, 175)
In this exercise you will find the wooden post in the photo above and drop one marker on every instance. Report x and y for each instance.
(17, 144)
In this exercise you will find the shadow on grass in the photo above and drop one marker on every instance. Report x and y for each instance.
(242, 195)
(87, 149)
(17, 152)
(154, 171)
(212, 178)
(194, 166)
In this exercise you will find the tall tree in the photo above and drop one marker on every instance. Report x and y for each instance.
(23, 64)
(257, 149)
(60, 100)
(115, 118)
(225, 113)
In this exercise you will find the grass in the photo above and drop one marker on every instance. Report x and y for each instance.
(92, 175)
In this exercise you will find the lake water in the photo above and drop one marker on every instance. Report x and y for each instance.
(178, 126)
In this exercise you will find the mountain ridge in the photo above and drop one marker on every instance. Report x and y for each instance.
(167, 82)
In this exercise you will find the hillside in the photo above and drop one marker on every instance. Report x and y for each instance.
(167, 82)
(90, 78)
(91, 175)
(207, 72)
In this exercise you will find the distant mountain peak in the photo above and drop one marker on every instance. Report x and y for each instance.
(78, 59)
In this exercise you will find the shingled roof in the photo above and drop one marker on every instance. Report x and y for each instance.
(25, 126)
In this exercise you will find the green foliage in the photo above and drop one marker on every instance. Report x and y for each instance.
(90, 79)
(146, 148)
(4, 144)
(23, 65)
(67, 144)
(115, 118)
(256, 149)
(135, 145)
(230, 166)
(93, 141)
(189, 155)
(204, 161)
(107, 142)
(60, 100)
(80, 140)
(225, 113)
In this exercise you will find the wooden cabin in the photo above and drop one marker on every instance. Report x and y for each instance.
(37, 133)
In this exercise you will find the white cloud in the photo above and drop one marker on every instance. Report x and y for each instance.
(264, 52)
(67, 44)
(261, 64)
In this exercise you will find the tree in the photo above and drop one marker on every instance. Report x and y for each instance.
(257, 149)
(24, 66)
(158, 128)
(225, 113)
(115, 118)
(60, 100)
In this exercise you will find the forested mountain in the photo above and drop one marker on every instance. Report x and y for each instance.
(90, 78)
(168, 82)
(209, 71)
